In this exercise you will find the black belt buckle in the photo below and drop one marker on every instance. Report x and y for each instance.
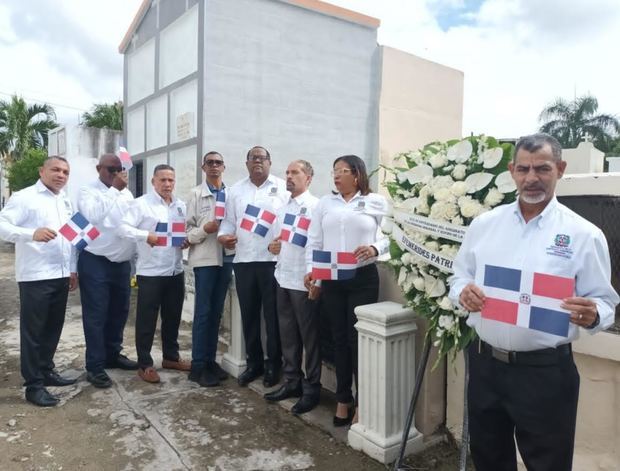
(502, 355)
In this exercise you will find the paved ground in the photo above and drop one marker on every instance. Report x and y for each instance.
(175, 425)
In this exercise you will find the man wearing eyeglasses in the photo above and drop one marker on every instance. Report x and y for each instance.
(212, 271)
(253, 263)
(104, 271)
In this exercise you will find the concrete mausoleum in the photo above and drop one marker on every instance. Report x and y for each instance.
(306, 79)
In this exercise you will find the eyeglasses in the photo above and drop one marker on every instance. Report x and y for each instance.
(113, 169)
(213, 163)
(341, 171)
(258, 158)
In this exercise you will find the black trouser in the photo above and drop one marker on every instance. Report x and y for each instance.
(536, 404)
(298, 318)
(340, 298)
(42, 314)
(256, 288)
(155, 292)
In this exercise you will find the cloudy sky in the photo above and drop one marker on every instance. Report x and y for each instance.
(517, 55)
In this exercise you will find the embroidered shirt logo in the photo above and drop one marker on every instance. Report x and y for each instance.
(562, 240)
(561, 246)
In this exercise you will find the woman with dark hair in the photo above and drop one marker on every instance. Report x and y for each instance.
(347, 221)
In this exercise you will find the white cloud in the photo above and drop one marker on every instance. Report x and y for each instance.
(517, 55)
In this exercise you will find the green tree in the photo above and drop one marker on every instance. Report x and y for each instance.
(23, 127)
(25, 171)
(570, 122)
(105, 116)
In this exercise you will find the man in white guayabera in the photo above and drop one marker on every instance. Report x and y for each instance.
(523, 382)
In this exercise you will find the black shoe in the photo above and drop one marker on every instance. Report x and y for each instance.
(305, 404)
(208, 378)
(249, 375)
(41, 397)
(284, 392)
(194, 375)
(122, 363)
(51, 378)
(342, 421)
(99, 380)
(218, 370)
(271, 378)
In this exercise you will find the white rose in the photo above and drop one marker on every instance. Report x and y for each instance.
(493, 197)
(457, 221)
(469, 207)
(444, 210)
(442, 181)
(422, 207)
(446, 322)
(444, 194)
(459, 189)
(432, 245)
(437, 160)
(459, 172)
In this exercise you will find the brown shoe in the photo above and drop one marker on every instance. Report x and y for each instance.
(148, 374)
(182, 365)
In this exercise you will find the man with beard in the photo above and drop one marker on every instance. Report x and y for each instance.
(251, 205)
(523, 382)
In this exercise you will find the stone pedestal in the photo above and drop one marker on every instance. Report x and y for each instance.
(233, 361)
(386, 339)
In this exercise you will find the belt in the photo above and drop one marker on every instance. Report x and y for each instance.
(543, 357)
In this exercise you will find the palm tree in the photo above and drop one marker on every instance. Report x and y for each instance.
(24, 127)
(105, 116)
(571, 122)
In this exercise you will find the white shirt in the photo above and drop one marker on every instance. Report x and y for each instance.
(341, 226)
(501, 237)
(140, 220)
(271, 196)
(291, 266)
(26, 211)
(104, 208)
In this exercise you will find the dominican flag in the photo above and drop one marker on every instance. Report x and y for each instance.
(527, 299)
(333, 265)
(125, 158)
(79, 231)
(170, 234)
(257, 220)
(220, 205)
(295, 229)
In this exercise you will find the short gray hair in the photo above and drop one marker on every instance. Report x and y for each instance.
(535, 142)
(306, 167)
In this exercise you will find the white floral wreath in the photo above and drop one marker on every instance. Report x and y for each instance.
(444, 186)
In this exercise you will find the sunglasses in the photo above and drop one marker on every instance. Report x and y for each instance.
(258, 158)
(113, 169)
(213, 163)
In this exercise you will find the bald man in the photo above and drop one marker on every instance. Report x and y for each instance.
(104, 271)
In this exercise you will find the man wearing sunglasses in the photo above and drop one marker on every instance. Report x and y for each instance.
(104, 271)
(212, 271)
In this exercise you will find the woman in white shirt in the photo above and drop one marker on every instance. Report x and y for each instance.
(347, 221)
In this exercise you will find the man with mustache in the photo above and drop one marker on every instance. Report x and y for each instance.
(253, 265)
(523, 382)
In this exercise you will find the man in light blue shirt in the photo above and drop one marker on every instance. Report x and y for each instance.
(523, 383)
